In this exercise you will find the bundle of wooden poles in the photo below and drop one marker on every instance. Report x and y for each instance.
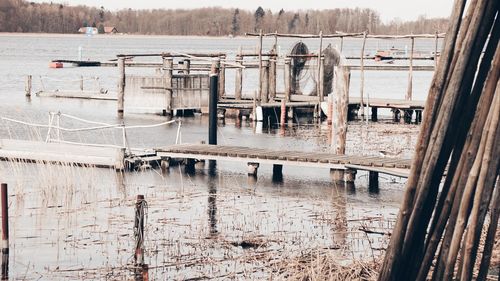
(449, 215)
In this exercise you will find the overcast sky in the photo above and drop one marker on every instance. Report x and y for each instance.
(388, 9)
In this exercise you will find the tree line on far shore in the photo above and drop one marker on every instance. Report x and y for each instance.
(24, 16)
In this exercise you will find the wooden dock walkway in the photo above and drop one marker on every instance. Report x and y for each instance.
(37, 151)
(255, 156)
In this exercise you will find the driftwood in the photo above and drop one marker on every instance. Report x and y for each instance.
(459, 131)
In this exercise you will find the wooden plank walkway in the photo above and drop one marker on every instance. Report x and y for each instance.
(36, 151)
(392, 166)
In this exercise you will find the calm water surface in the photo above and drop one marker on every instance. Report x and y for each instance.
(76, 223)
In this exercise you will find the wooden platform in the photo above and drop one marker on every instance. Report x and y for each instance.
(35, 151)
(391, 166)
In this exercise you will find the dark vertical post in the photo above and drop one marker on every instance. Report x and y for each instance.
(222, 78)
(374, 114)
(239, 77)
(288, 78)
(5, 232)
(81, 83)
(373, 181)
(212, 103)
(168, 65)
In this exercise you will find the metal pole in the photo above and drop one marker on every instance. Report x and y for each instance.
(212, 103)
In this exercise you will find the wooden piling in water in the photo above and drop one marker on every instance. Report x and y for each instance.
(222, 77)
(374, 114)
(339, 116)
(28, 85)
(81, 83)
(409, 91)
(319, 82)
(272, 77)
(121, 85)
(283, 113)
(140, 206)
(5, 231)
(287, 76)
(252, 169)
(239, 78)
(260, 64)
(373, 181)
(212, 102)
(168, 65)
(362, 74)
(264, 98)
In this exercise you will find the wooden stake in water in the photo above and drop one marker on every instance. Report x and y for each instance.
(121, 85)
(27, 87)
(140, 210)
(5, 232)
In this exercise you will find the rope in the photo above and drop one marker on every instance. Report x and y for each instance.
(107, 126)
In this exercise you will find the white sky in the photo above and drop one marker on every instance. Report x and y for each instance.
(388, 9)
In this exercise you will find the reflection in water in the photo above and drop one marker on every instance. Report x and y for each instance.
(5, 265)
(212, 202)
(340, 202)
(141, 273)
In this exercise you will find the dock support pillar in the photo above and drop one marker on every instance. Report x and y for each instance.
(165, 164)
(252, 169)
(373, 181)
(374, 114)
(277, 170)
(418, 116)
(239, 78)
(290, 113)
(121, 85)
(337, 175)
(350, 175)
(408, 114)
(396, 115)
(189, 165)
(264, 98)
(288, 79)
(27, 87)
(168, 65)
(212, 103)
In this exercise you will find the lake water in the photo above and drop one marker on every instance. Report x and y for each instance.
(76, 223)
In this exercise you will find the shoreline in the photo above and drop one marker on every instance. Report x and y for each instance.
(77, 35)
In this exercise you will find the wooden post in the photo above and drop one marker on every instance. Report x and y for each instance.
(81, 83)
(374, 114)
(330, 110)
(121, 85)
(5, 231)
(340, 108)
(320, 79)
(272, 77)
(436, 50)
(187, 71)
(139, 230)
(27, 86)
(373, 181)
(410, 73)
(239, 78)
(168, 65)
(222, 77)
(341, 44)
(277, 171)
(252, 169)
(288, 75)
(265, 82)
(212, 103)
(260, 64)
(362, 86)
(283, 113)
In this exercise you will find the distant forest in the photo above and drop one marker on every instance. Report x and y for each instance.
(24, 16)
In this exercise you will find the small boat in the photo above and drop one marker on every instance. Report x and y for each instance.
(389, 54)
(55, 64)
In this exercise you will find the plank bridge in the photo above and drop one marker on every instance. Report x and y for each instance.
(255, 156)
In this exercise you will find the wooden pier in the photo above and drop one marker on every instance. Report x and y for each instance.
(255, 156)
(84, 155)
